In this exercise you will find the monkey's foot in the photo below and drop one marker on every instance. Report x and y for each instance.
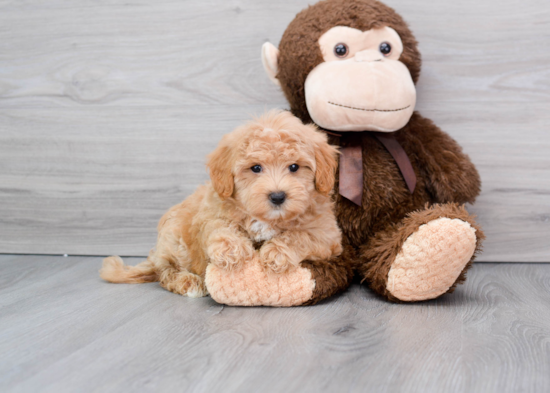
(431, 259)
(252, 285)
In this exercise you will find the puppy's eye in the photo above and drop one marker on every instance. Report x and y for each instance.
(294, 167)
(341, 50)
(385, 48)
(256, 169)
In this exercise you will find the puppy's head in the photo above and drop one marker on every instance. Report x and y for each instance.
(274, 167)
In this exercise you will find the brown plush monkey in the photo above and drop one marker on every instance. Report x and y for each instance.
(350, 66)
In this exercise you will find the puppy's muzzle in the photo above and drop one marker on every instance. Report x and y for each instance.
(277, 198)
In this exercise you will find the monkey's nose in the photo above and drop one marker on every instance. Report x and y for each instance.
(277, 198)
(368, 55)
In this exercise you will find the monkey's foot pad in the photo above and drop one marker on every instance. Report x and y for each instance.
(431, 259)
(252, 285)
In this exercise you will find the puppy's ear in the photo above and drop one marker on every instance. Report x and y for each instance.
(326, 163)
(220, 164)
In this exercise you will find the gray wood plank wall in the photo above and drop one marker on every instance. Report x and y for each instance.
(107, 109)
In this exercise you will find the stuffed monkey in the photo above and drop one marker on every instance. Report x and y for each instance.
(350, 66)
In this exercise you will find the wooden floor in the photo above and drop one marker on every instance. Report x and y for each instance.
(64, 330)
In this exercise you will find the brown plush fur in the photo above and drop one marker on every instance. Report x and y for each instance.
(380, 251)
(332, 276)
(223, 221)
(389, 213)
(444, 174)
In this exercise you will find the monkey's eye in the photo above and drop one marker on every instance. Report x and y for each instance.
(341, 50)
(256, 168)
(294, 167)
(385, 48)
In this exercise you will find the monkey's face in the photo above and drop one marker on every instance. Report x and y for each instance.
(361, 85)
(360, 61)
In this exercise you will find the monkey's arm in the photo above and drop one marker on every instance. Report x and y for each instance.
(331, 276)
(450, 175)
(253, 285)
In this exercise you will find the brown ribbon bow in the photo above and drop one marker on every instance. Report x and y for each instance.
(351, 164)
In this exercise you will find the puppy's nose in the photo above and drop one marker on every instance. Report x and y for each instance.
(277, 198)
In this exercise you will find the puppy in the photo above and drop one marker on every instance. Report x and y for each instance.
(269, 198)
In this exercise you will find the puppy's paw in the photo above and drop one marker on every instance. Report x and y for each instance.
(278, 257)
(228, 252)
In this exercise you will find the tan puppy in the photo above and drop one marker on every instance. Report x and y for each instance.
(268, 199)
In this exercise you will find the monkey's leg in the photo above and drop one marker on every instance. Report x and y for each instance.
(424, 256)
(253, 285)
(331, 276)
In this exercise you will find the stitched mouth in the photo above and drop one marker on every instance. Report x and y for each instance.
(369, 110)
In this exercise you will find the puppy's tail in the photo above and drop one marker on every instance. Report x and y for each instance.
(114, 270)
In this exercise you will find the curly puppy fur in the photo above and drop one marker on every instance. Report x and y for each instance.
(224, 221)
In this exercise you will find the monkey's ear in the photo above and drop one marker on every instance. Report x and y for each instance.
(219, 163)
(270, 60)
